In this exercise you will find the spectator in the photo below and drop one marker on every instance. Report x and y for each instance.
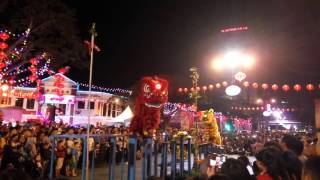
(271, 165)
(311, 169)
(60, 153)
(235, 170)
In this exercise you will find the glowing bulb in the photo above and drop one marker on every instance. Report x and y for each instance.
(233, 90)
(158, 86)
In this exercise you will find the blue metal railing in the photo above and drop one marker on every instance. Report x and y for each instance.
(150, 149)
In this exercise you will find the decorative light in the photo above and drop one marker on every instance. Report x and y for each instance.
(310, 87)
(4, 87)
(274, 87)
(273, 100)
(259, 101)
(255, 85)
(246, 84)
(264, 86)
(233, 90)
(286, 87)
(297, 87)
(240, 76)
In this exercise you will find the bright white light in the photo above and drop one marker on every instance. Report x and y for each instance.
(247, 61)
(267, 113)
(273, 100)
(4, 87)
(232, 59)
(217, 64)
(233, 90)
(277, 114)
(116, 100)
(158, 86)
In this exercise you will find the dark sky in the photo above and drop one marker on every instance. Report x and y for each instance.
(167, 37)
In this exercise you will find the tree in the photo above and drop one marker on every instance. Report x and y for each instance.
(52, 29)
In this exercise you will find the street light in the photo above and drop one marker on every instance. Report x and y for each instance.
(232, 60)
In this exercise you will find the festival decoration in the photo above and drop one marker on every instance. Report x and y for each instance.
(234, 29)
(246, 84)
(260, 108)
(153, 94)
(233, 90)
(286, 87)
(211, 127)
(218, 85)
(113, 90)
(224, 83)
(265, 86)
(255, 85)
(297, 87)
(274, 87)
(240, 76)
(211, 86)
(310, 87)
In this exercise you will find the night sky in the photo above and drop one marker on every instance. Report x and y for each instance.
(168, 37)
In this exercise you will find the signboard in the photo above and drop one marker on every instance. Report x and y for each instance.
(54, 99)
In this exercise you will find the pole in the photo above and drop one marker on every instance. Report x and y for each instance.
(93, 34)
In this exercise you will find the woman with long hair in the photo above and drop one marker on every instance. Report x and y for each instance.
(271, 165)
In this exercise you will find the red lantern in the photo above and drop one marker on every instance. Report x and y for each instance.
(198, 88)
(246, 84)
(297, 87)
(210, 86)
(2, 65)
(204, 88)
(11, 81)
(264, 86)
(224, 83)
(4, 36)
(218, 85)
(180, 89)
(33, 78)
(192, 89)
(185, 90)
(34, 61)
(310, 87)
(3, 45)
(275, 87)
(255, 85)
(2, 55)
(286, 87)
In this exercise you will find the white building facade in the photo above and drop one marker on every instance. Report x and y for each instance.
(72, 105)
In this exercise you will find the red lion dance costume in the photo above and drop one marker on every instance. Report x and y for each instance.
(153, 93)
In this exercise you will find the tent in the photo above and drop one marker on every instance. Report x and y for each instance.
(123, 118)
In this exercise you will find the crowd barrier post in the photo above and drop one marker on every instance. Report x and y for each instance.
(155, 158)
(52, 158)
(164, 158)
(122, 160)
(181, 155)
(84, 159)
(92, 163)
(132, 158)
(173, 158)
(149, 143)
(189, 156)
(112, 159)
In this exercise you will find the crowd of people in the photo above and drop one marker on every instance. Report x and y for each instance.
(279, 156)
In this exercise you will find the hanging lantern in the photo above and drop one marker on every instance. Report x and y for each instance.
(274, 87)
(3, 55)
(32, 78)
(198, 88)
(210, 86)
(297, 87)
(33, 69)
(265, 86)
(224, 83)
(246, 84)
(310, 87)
(240, 76)
(11, 81)
(192, 89)
(218, 85)
(255, 85)
(3, 45)
(180, 89)
(185, 90)
(34, 61)
(204, 88)
(4, 36)
(286, 87)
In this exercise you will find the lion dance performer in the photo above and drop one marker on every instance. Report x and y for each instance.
(153, 93)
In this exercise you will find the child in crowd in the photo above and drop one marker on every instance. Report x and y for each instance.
(60, 153)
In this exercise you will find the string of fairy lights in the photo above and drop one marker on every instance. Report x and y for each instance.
(113, 90)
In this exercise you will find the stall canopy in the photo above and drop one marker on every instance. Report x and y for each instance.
(123, 118)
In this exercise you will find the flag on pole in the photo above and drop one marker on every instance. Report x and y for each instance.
(88, 45)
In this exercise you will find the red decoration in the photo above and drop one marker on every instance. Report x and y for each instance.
(64, 70)
(210, 86)
(3, 55)
(218, 85)
(310, 87)
(274, 87)
(198, 88)
(192, 89)
(286, 87)
(3, 45)
(11, 81)
(148, 105)
(34, 61)
(265, 86)
(33, 78)
(297, 87)
(224, 83)
(246, 84)
(204, 88)
(2, 65)
(255, 85)
(180, 89)
(4, 36)
(185, 90)
(33, 69)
